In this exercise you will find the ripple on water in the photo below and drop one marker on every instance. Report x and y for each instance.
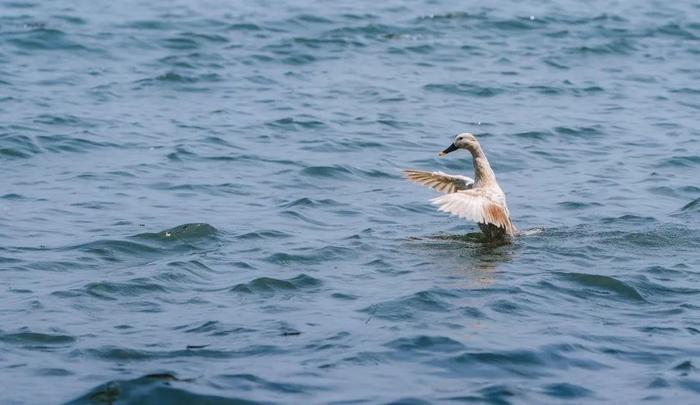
(187, 232)
(264, 234)
(324, 254)
(467, 89)
(691, 207)
(339, 172)
(601, 286)
(112, 291)
(17, 146)
(21, 146)
(424, 343)
(529, 364)
(117, 250)
(35, 339)
(250, 382)
(152, 388)
(47, 39)
(409, 307)
(267, 285)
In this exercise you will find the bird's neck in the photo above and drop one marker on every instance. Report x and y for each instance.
(483, 174)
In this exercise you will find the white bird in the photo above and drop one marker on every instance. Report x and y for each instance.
(480, 200)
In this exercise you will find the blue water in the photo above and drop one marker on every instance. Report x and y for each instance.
(201, 201)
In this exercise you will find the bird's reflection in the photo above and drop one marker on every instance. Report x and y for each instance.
(467, 257)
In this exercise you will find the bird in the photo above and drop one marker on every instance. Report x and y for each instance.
(480, 199)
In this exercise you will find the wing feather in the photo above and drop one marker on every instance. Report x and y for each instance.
(477, 205)
(445, 183)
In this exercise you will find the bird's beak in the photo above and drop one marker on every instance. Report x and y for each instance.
(449, 149)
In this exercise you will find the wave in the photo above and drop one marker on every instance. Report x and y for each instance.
(154, 388)
(266, 285)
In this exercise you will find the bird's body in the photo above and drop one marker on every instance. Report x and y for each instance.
(480, 200)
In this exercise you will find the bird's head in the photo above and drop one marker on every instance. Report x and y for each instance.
(462, 141)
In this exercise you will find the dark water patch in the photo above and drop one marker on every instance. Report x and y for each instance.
(466, 89)
(663, 290)
(344, 172)
(330, 44)
(336, 172)
(567, 391)
(265, 285)
(53, 372)
(408, 308)
(578, 205)
(9, 260)
(308, 202)
(45, 39)
(115, 250)
(681, 161)
(541, 361)
(214, 328)
(71, 19)
(179, 78)
(579, 132)
(297, 124)
(34, 339)
(661, 270)
(17, 146)
(472, 238)
(685, 367)
(626, 220)
(675, 30)
(515, 24)
(693, 206)
(244, 27)
(115, 353)
(451, 16)
(264, 234)
(424, 49)
(501, 364)
(658, 330)
(686, 90)
(311, 19)
(152, 389)
(621, 46)
(656, 237)
(185, 232)
(600, 285)
(556, 63)
(298, 60)
(509, 307)
(253, 383)
(375, 32)
(65, 143)
(61, 120)
(423, 343)
(191, 265)
(55, 265)
(158, 25)
(297, 216)
(191, 40)
(534, 135)
(326, 253)
(111, 291)
(184, 190)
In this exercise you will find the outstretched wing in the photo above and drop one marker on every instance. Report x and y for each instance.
(477, 205)
(440, 181)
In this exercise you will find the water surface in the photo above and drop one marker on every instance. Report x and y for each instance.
(201, 201)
